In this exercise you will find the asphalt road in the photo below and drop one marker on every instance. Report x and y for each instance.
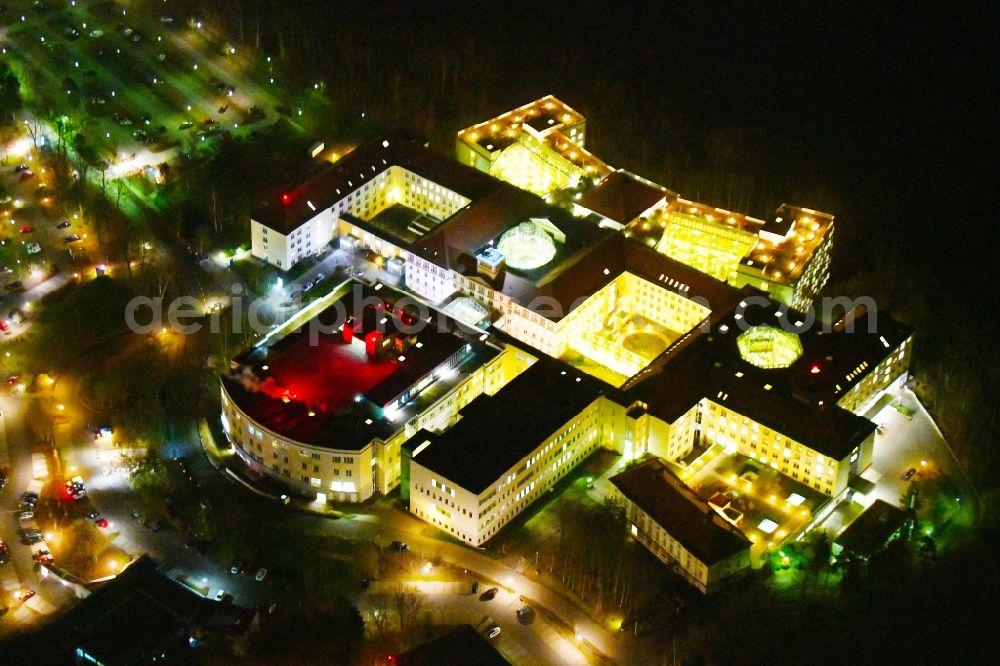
(21, 572)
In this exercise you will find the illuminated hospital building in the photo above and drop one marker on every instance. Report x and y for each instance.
(634, 321)
(539, 147)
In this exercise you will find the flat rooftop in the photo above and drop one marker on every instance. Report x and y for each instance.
(542, 115)
(400, 224)
(318, 389)
(623, 196)
(688, 518)
(870, 531)
(496, 432)
(297, 203)
(585, 262)
(786, 242)
(798, 400)
(547, 119)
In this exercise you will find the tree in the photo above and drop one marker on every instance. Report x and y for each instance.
(10, 91)
(408, 604)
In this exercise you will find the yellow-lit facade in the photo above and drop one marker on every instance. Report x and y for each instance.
(792, 268)
(706, 576)
(477, 517)
(531, 165)
(353, 475)
(587, 328)
(875, 380)
(712, 247)
(538, 147)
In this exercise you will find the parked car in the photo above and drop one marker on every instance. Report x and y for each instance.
(72, 238)
(25, 229)
(26, 174)
(34, 248)
(42, 557)
(261, 574)
(16, 285)
(30, 536)
(236, 568)
(908, 474)
(489, 594)
(24, 594)
(27, 514)
(21, 167)
(492, 631)
(62, 225)
(4, 328)
(93, 515)
(29, 497)
(399, 546)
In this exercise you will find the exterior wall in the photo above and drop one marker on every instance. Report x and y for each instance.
(891, 368)
(579, 328)
(710, 247)
(368, 240)
(814, 275)
(800, 293)
(343, 475)
(285, 250)
(477, 518)
(474, 156)
(427, 279)
(721, 425)
(531, 165)
(268, 245)
(373, 194)
(377, 466)
(668, 550)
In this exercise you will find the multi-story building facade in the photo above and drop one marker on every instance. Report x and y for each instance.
(676, 359)
(537, 147)
(680, 528)
(758, 401)
(496, 460)
(333, 428)
(790, 259)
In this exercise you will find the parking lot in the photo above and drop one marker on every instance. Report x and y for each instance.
(145, 85)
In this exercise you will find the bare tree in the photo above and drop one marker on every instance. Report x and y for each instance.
(408, 603)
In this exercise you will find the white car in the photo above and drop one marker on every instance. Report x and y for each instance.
(34, 248)
(493, 632)
(261, 574)
(220, 595)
